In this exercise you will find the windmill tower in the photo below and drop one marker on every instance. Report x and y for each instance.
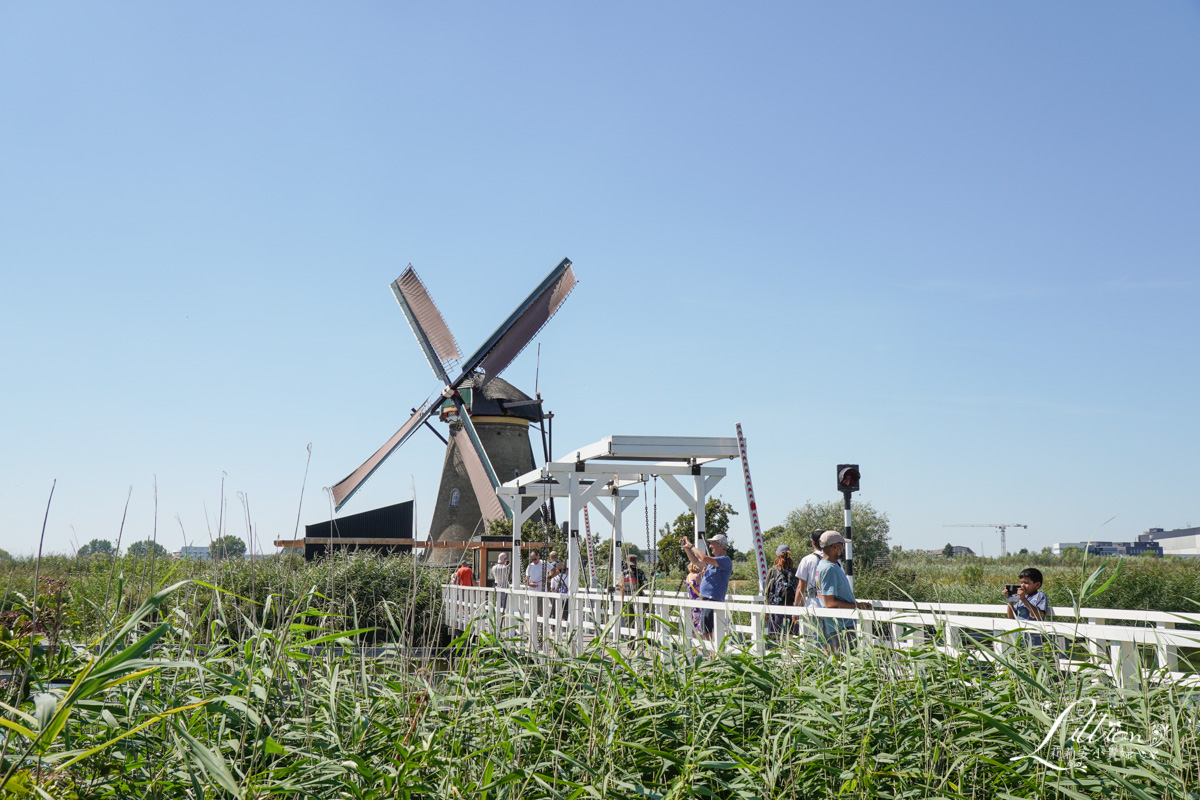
(489, 418)
(501, 414)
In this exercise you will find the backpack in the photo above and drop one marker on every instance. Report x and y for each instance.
(781, 588)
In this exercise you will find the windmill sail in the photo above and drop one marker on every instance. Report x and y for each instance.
(426, 322)
(481, 481)
(523, 324)
(344, 489)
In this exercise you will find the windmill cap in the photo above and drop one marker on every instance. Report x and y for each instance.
(831, 537)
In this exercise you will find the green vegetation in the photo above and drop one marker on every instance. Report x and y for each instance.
(870, 534)
(228, 546)
(1170, 584)
(147, 547)
(186, 696)
(98, 547)
(357, 587)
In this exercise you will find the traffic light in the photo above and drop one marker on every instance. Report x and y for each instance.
(848, 478)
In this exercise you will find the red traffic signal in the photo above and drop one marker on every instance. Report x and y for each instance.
(848, 478)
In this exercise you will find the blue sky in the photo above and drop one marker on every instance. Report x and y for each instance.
(954, 243)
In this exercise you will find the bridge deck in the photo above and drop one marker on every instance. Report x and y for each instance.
(544, 621)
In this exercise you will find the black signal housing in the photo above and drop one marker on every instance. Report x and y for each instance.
(848, 478)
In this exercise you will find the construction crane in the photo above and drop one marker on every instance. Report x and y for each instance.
(1003, 545)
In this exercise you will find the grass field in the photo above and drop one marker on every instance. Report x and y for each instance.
(193, 691)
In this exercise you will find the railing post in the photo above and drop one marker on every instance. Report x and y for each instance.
(953, 635)
(1096, 646)
(1124, 662)
(532, 619)
(897, 634)
(686, 628)
(1167, 654)
(758, 618)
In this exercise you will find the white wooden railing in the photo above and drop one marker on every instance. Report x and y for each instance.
(536, 619)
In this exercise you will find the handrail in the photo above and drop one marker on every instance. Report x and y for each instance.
(664, 616)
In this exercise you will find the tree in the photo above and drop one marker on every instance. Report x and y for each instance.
(146, 548)
(948, 550)
(1024, 551)
(870, 534)
(716, 522)
(4, 555)
(228, 546)
(97, 547)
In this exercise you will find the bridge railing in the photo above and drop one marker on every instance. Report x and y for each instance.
(536, 619)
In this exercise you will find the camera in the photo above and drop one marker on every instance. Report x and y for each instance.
(1010, 589)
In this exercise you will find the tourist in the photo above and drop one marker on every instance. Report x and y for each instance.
(781, 589)
(1028, 601)
(501, 573)
(806, 576)
(835, 591)
(635, 578)
(534, 571)
(464, 576)
(551, 566)
(714, 583)
(561, 585)
(693, 588)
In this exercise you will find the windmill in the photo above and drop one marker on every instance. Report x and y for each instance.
(489, 418)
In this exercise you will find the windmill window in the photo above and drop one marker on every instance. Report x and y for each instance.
(454, 497)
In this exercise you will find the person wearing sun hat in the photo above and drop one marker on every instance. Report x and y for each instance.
(835, 591)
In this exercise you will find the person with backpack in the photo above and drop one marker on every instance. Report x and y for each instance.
(781, 589)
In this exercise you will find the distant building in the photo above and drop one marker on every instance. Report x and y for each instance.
(1179, 542)
(196, 552)
(1096, 548)
(959, 550)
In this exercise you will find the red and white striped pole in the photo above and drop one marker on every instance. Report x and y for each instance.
(587, 531)
(758, 540)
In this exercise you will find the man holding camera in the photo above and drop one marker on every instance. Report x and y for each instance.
(714, 582)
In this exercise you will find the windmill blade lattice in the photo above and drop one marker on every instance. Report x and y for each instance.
(427, 323)
(516, 332)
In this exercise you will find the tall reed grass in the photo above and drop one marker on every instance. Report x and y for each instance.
(265, 707)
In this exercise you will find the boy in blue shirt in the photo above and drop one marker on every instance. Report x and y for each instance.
(1029, 601)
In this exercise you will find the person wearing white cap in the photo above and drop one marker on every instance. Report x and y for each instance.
(835, 590)
(500, 578)
(715, 581)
